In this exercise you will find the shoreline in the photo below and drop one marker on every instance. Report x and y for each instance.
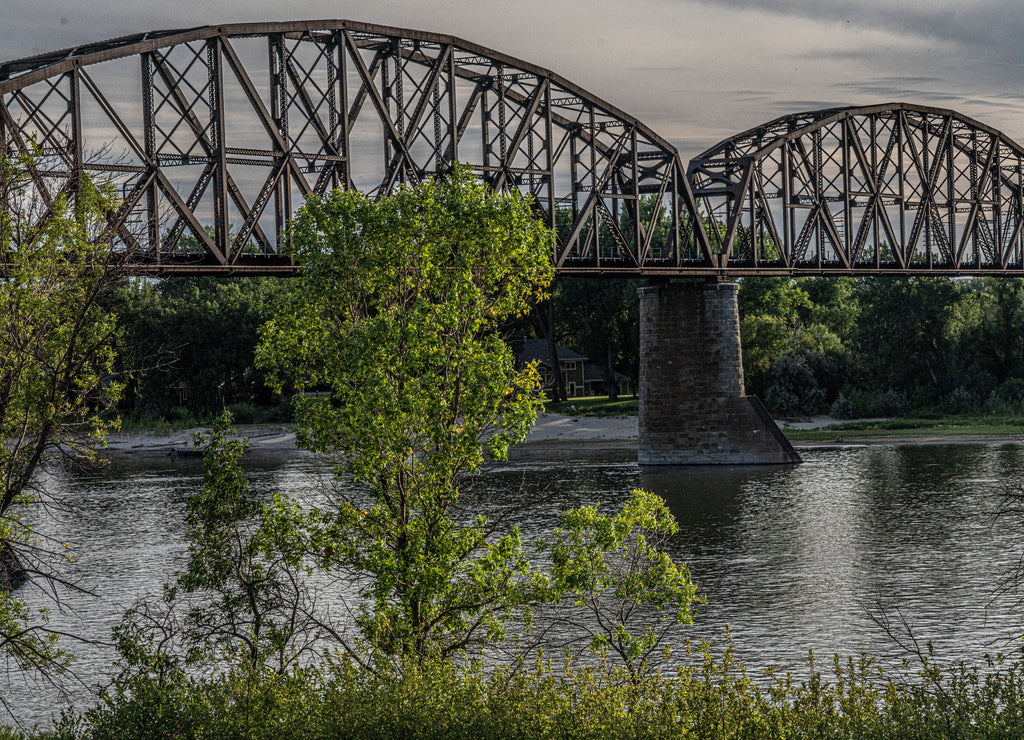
(262, 439)
(558, 434)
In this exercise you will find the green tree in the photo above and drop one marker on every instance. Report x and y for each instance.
(794, 335)
(395, 317)
(615, 569)
(246, 568)
(771, 311)
(834, 305)
(926, 320)
(1002, 333)
(57, 378)
(600, 318)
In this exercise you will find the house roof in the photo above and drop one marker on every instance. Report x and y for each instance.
(537, 349)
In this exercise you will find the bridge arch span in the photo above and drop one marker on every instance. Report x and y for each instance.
(215, 135)
(887, 188)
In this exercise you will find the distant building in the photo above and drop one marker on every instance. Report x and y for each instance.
(578, 378)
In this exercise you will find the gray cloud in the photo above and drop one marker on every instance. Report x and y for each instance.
(894, 88)
(697, 71)
(994, 27)
(980, 42)
(786, 107)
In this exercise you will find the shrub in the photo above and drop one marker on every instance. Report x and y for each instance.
(794, 389)
(246, 413)
(869, 404)
(841, 408)
(709, 696)
(1008, 397)
(961, 401)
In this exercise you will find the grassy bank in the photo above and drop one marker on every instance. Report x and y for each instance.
(1008, 425)
(595, 406)
(921, 425)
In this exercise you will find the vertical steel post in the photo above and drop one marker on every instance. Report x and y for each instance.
(278, 111)
(847, 207)
(788, 214)
(149, 143)
(950, 191)
(453, 119)
(550, 160)
(75, 109)
(901, 131)
(595, 219)
(221, 226)
(345, 148)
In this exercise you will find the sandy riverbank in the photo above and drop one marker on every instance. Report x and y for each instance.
(272, 439)
(550, 431)
(558, 428)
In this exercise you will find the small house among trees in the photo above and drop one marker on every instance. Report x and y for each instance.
(578, 377)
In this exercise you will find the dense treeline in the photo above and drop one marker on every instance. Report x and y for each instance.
(852, 347)
(883, 346)
(192, 342)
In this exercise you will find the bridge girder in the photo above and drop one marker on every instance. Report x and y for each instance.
(893, 188)
(216, 134)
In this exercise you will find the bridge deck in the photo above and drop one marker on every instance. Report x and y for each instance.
(215, 135)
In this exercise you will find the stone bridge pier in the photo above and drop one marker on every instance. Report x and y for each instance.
(693, 410)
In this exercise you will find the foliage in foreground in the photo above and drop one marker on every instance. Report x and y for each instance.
(626, 593)
(57, 377)
(390, 337)
(243, 582)
(711, 697)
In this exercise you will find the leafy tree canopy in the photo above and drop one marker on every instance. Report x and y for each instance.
(393, 322)
(195, 338)
(57, 378)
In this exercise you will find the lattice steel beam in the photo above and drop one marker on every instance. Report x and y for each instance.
(216, 134)
(890, 188)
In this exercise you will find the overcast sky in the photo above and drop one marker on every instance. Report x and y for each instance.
(694, 71)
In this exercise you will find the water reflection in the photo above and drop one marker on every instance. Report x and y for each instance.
(801, 558)
(791, 558)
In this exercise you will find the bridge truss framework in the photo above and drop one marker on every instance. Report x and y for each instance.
(216, 134)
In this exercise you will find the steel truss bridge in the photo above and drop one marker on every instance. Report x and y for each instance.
(216, 134)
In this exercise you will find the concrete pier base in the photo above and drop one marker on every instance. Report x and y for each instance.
(693, 410)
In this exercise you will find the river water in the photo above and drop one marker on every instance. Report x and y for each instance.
(790, 558)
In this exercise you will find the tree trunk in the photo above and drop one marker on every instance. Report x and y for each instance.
(558, 387)
(613, 387)
(12, 573)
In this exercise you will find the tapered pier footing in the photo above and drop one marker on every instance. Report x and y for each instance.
(693, 410)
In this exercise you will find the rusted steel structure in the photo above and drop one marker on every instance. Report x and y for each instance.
(890, 188)
(214, 136)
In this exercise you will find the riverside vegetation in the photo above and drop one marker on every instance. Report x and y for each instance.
(834, 345)
(388, 345)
